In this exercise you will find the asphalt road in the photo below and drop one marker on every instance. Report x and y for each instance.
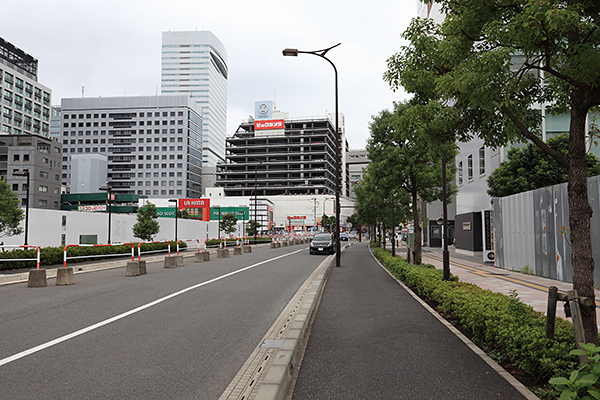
(178, 333)
(372, 340)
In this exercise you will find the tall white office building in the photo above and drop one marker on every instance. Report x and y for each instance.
(195, 63)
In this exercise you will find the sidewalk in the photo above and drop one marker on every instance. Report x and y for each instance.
(532, 290)
(372, 339)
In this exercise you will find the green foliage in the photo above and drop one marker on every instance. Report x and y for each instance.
(583, 382)
(487, 60)
(530, 168)
(252, 228)
(328, 222)
(147, 222)
(508, 330)
(228, 222)
(11, 213)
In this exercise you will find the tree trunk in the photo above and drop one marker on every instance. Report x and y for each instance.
(417, 226)
(383, 234)
(580, 213)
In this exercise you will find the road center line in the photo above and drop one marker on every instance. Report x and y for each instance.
(131, 312)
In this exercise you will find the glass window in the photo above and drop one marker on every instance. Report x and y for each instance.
(470, 167)
(481, 161)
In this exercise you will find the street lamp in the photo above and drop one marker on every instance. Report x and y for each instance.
(109, 190)
(26, 174)
(176, 210)
(321, 53)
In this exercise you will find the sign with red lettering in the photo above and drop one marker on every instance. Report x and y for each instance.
(272, 124)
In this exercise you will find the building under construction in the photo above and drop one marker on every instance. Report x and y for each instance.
(283, 157)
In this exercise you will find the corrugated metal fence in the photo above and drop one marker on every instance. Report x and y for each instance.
(531, 231)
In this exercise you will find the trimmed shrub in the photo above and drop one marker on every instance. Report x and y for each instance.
(508, 330)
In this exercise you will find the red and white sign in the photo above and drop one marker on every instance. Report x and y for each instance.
(99, 207)
(194, 203)
(296, 217)
(272, 124)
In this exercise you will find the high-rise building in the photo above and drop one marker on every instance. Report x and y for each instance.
(195, 63)
(25, 104)
(153, 144)
(276, 155)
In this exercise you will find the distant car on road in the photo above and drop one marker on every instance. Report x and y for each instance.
(322, 243)
(344, 236)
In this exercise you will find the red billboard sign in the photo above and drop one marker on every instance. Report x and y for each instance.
(197, 208)
(271, 124)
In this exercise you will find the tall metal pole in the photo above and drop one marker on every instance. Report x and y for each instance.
(27, 210)
(321, 53)
(109, 211)
(255, 202)
(445, 254)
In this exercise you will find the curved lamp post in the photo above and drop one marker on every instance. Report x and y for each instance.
(25, 173)
(321, 53)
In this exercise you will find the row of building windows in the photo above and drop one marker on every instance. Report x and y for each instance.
(123, 133)
(459, 169)
(128, 124)
(126, 140)
(18, 85)
(124, 116)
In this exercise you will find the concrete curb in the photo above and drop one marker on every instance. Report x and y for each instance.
(529, 395)
(279, 375)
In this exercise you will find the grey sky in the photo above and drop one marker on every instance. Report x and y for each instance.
(113, 48)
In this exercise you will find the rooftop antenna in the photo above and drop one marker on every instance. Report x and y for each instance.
(82, 90)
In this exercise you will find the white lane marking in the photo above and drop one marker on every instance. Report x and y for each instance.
(131, 312)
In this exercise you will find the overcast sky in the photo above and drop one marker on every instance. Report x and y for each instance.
(113, 48)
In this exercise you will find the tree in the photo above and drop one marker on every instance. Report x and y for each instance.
(328, 222)
(11, 214)
(496, 62)
(407, 157)
(147, 222)
(252, 228)
(228, 222)
(529, 168)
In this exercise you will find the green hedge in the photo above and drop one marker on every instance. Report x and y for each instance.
(232, 241)
(508, 330)
(55, 255)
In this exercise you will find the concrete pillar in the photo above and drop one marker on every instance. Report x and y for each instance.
(132, 269)
(37, 278)
(170, 261)
(64, 276)
(247, 249)
(206, 255)
(237, 251)
(198, 257)
(222, 253)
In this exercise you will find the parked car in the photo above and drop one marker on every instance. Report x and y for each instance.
(344, 236)
(322, 243)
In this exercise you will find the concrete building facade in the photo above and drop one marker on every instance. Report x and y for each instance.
(25, 106)
(40, 156)
(284, 156)
(153, 144)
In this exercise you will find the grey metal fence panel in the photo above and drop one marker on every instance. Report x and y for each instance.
(532, 231)
(498, 230)
(513, 220)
